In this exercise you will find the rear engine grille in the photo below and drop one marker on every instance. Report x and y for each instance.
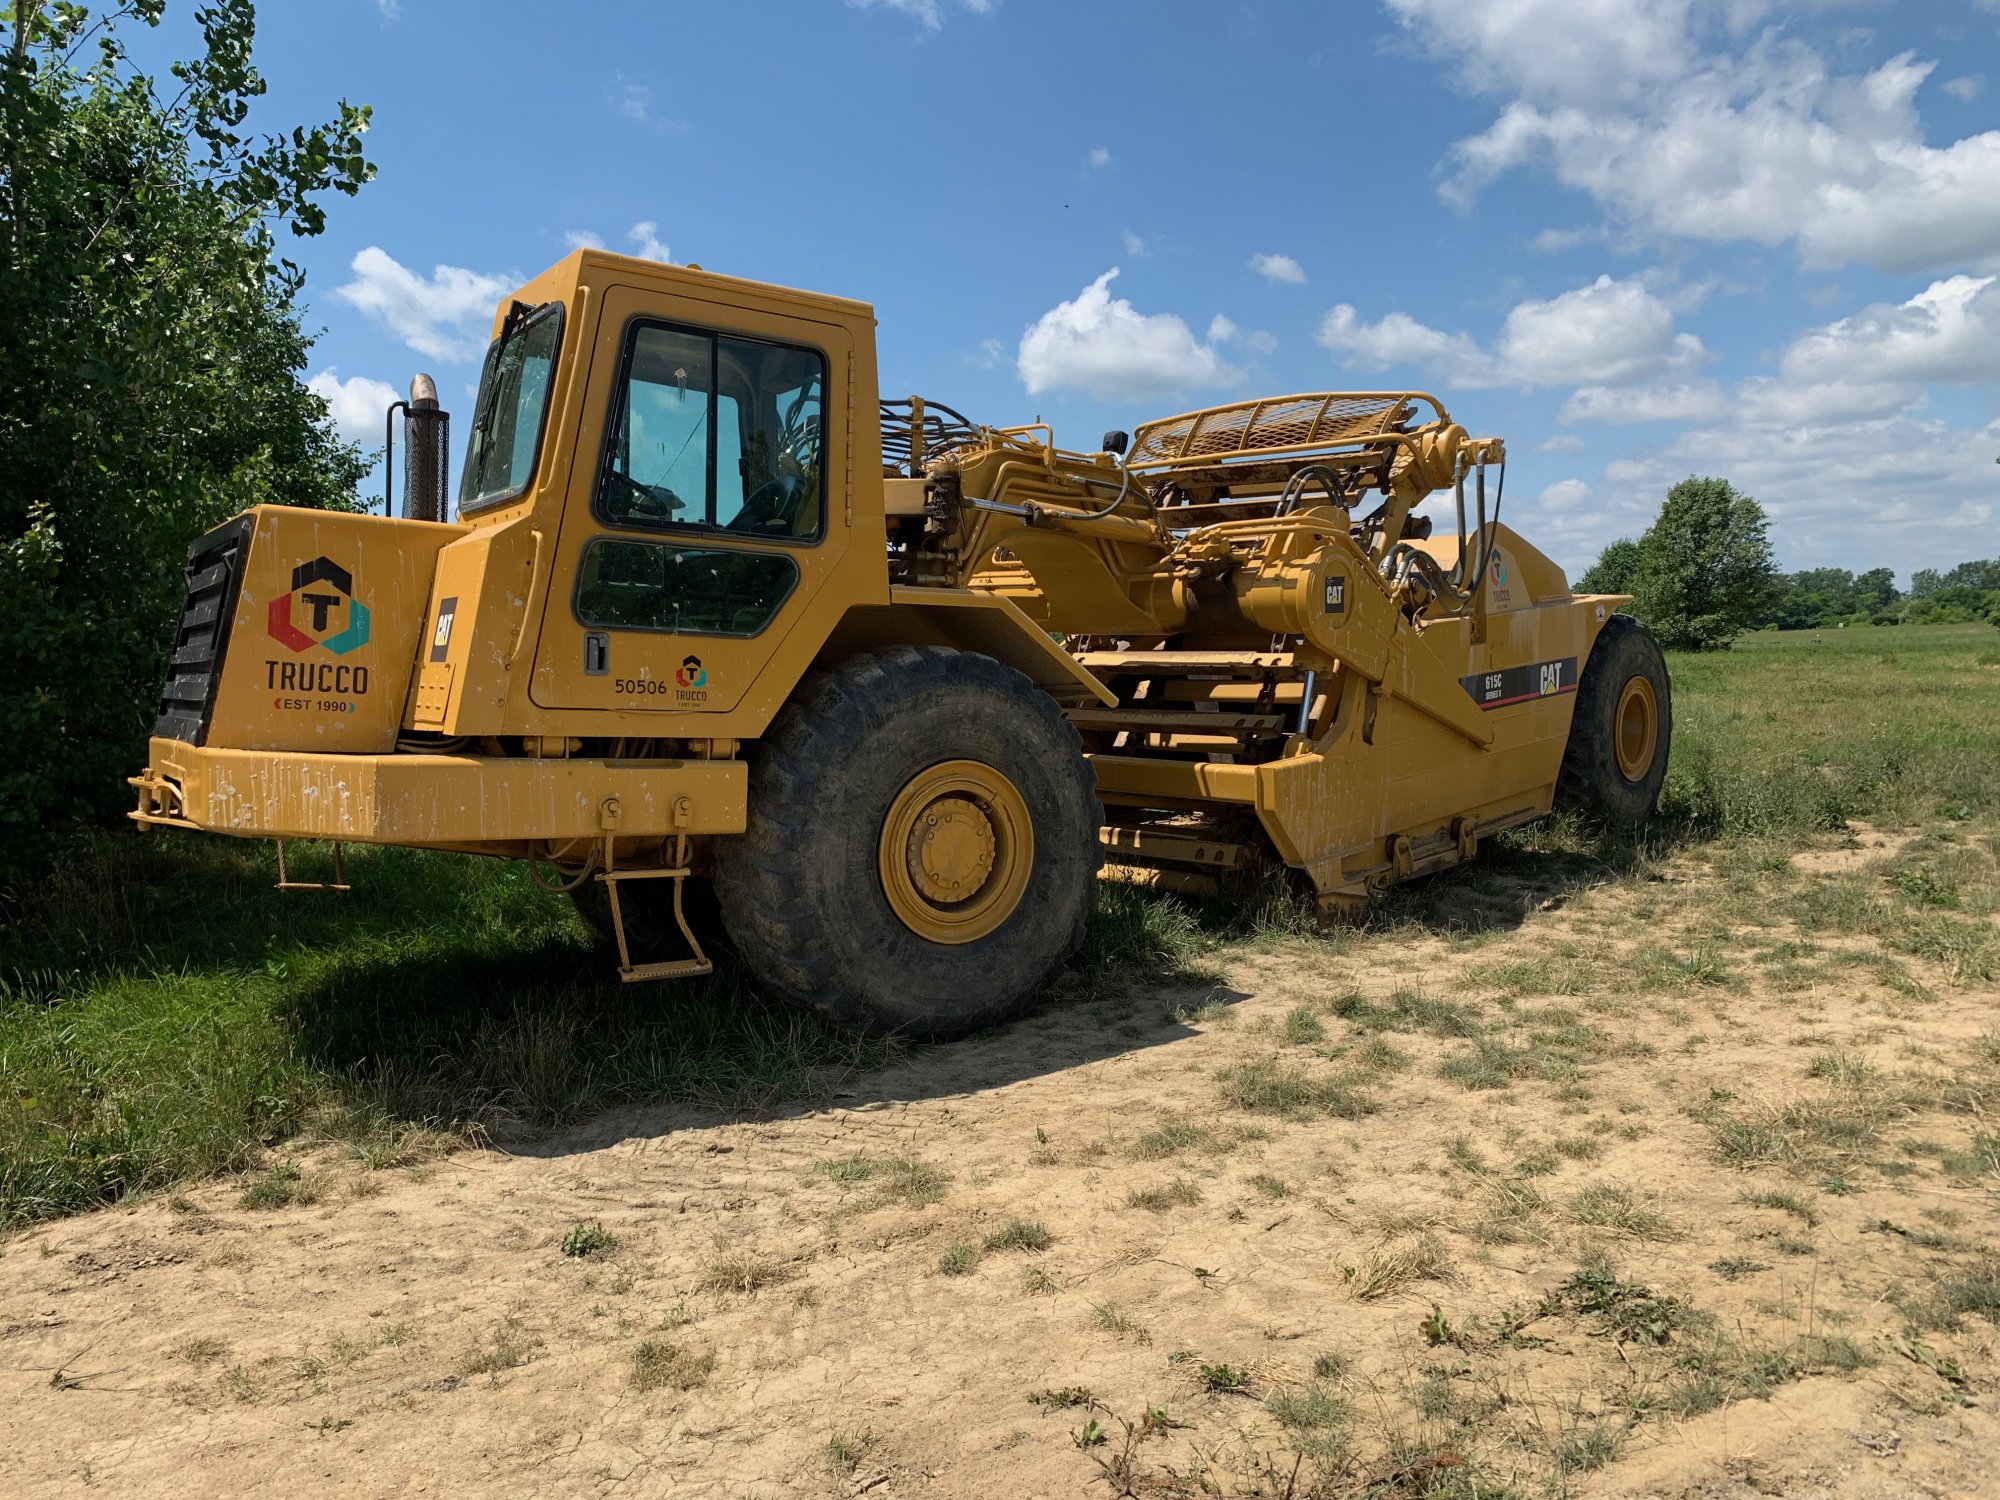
(214, 576)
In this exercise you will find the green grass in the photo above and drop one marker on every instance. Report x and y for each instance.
(657, 1364)
(1788, 732)
(166, 1015)
(1273, 1087)
(588, 1239)
(1180, 1193)
(1019, 1234)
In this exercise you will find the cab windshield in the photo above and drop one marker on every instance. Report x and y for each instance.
(513, 401)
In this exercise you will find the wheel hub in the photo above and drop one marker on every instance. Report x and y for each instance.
(951, 850)
(956, 850)
(1636, 729)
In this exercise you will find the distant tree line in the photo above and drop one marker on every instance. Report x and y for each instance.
(1703, 574)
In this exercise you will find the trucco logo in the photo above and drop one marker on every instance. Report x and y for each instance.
(322, 600)
(321, 610)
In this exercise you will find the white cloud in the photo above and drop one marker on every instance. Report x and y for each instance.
(1949, 332)
(630, 99)
(1100, 156)
(1965, 89)
(1562, 442)
(1768, 402)
(1564, 494)
(1899, 490)
(991, 353)
(392, 10)
(1278, 268)
(1135, 245)
(1839, 446)
(1100, 345)
(1695, 401)
(1222, 331)
(1611, 332)
(359, 406)
(645, 238)
(928, 14)
(646, 242)
(1682, 123)
(1550, 240)
(445, 316)
(1400, 339)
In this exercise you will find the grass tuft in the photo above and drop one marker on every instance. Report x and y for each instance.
(1180, 1193)
(1604, 1206)
(658, 1364)
(744, 1272)
(1389, 1268)
(845, 1450)
(1269, 1086)
(1174, 1137)
(1113, 1319)
(1019, 1234)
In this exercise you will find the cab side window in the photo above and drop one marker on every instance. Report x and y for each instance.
(716, 433)
(632, 585)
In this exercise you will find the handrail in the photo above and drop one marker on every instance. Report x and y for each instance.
(528, 605)
(1391, 401)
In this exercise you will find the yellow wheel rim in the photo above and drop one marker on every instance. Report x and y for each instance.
(1636, 731)
(956, 851)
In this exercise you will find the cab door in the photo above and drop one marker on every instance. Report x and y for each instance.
(704, 527)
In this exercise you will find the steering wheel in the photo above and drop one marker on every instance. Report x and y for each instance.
(654, 501)
(772, 506)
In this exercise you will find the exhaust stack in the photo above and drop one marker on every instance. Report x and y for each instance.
(426, 455)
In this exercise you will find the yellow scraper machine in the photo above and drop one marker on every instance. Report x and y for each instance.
(665, 655)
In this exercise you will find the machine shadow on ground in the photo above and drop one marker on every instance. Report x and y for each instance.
(530, 1043)
(526, 1044)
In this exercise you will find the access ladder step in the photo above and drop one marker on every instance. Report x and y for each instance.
(1189, 663)
(1171, 721)
(1173, 848)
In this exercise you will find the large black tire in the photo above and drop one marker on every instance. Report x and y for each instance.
(803, 893)
(1625, 669)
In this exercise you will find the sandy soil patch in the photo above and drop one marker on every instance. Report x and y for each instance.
(1394, 1213)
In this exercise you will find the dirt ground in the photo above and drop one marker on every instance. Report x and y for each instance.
(1642, 1194)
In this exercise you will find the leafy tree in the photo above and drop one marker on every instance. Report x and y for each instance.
(149, 344)
(1816, 596)
(1705, 573)
(1973, 575)
(1953, 604)
(1616, 566)
(1875, 592)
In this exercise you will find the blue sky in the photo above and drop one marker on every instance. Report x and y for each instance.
(1637, 238)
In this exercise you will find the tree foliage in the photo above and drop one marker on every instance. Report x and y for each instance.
(1828, 598)
(1819, 597)
(1616, 566)
(149, 349)
(1705, 571)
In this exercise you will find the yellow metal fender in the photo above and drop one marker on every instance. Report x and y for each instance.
(986, 623)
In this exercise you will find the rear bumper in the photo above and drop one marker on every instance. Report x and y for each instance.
(433, 799)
